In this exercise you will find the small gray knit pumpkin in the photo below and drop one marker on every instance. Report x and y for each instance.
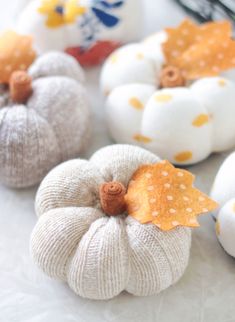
(99, 255)
(52, 126)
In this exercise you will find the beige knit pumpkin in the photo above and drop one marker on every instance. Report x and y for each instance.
(52, 126)
(100, 256)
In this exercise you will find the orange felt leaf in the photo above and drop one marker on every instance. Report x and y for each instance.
(164, 195)
(204, 50)
(16, 53)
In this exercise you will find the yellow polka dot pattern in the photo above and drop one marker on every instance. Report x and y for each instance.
(113, 58)
(142, 138)
(140, 56)
(164, 195)
(201, 120)
(16, 53)
(183, 156)
(136, 103)
(163, 98)
(199, 51)
(222, 82)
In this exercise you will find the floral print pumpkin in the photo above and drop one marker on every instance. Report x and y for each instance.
(87, 237)
(224, 192)
(88, 30)
(44, 113)
(166, 95)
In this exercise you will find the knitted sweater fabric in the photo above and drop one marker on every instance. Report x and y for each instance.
(100, 256)
(51, 127)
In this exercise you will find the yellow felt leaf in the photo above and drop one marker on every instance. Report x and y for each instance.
(60, 12)
(73, 8)
(199, 51)
(164, 195)
(16, 53)
(54, 18)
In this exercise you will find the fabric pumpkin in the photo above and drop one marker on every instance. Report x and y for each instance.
(48, 125)
(88, 30)
(223, 192)
(184, 124)
(99, 256)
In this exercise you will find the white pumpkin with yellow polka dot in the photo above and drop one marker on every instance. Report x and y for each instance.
(183, 124)
(223, 192)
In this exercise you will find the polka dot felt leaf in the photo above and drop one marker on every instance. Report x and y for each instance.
(165, 196)
(16, 53)
(200, 51)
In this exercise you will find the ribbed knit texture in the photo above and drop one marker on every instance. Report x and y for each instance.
(100, 256)
(51, 127)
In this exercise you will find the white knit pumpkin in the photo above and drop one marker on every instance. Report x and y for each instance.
(89, 30)
(223, 192)
(52, 126)
(100, 256)
(183, 124)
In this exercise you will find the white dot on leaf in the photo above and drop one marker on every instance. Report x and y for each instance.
(152, 200)
(185, 31)
(189, 209)
(150, 188)
(172, 211)
(180, 174)
(175, 53)
(198, 37)
(187, 58)
(180, 42)
(202, 63)
(155, 213)
(215, 69)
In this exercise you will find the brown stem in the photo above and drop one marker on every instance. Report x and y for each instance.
(20, 86)
(171, 77)
(112, 198)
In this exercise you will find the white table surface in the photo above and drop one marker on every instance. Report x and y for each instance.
(206, 293)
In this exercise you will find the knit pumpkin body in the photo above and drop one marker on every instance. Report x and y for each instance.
(100, 256)
(52, 126)
(182, 124)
